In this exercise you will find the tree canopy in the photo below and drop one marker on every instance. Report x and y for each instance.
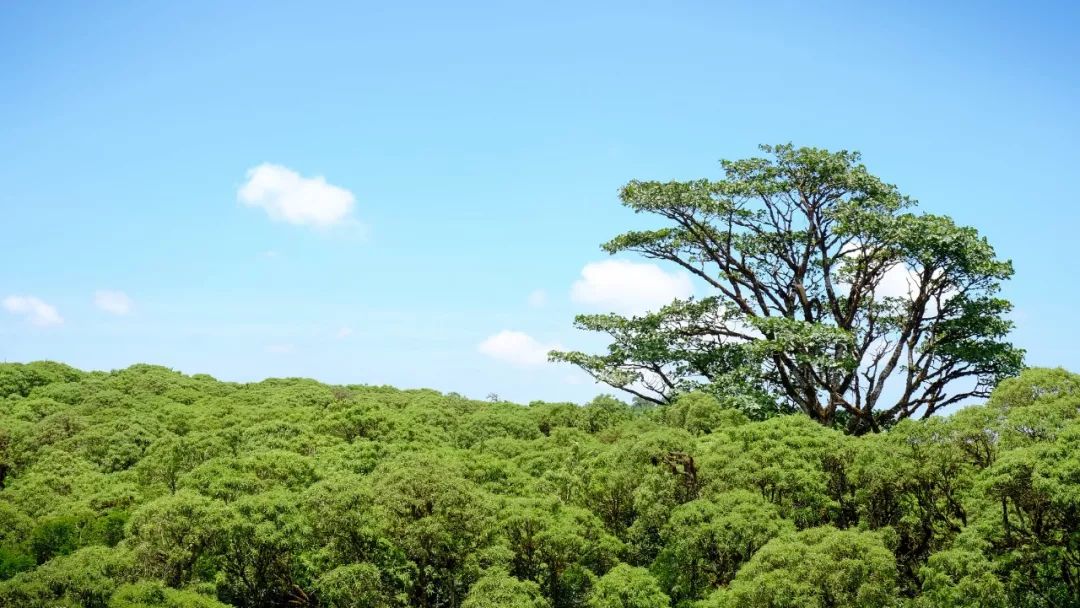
(145, 487)
(829, 295)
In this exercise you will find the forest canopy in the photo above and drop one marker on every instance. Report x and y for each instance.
(145, 487)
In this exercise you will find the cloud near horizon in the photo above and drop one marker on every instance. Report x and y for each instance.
(517, 348)
(35, 310)
(287, 196)
(629, 288)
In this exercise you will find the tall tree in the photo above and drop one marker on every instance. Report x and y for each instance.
(830, 295)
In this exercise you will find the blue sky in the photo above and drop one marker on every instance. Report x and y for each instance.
(470, 155)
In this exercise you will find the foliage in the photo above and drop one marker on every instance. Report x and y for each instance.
(627, 587)
(500, 590)
(707, 541)
(830, 296)
(816, 568)
(156, 595)
(293, 493)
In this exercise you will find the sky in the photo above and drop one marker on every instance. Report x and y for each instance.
(414, 194)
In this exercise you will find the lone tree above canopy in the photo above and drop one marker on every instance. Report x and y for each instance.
(830, 296)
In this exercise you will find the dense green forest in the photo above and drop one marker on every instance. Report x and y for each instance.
(146, 487)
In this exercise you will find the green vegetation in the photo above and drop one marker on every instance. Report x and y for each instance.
(829, 297)
(148, 488)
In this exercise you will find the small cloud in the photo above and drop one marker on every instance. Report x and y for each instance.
(904, 282)
(344, 332)
(629, 287)
(287, 196)
(279, 349)
(899, 281)
(269, 254)
(517, 348)
(36, 311)
(538, 298)
(113, 302)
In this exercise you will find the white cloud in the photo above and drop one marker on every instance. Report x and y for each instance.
(344, 332)
(629, 287)
(538, 298)
(898, 281)
(36, 311)
(113, 302)
(279, 349)
(287, 196)
(517, 348)
(901, 281)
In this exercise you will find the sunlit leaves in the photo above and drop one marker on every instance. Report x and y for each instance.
(235, 495)
(818, 568)
(826, 295)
